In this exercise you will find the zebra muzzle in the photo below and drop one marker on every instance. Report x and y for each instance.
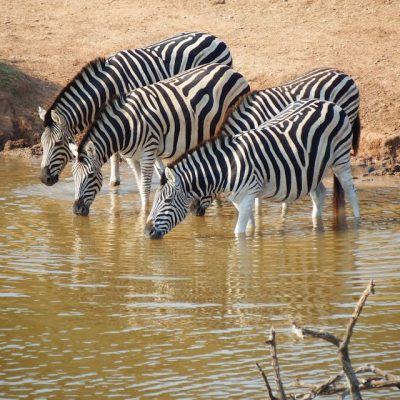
(151, 232)
(80, 208)
(47, 178)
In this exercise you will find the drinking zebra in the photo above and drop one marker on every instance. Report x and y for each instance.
(262, 105)
(75, 107)
(163, 120)
(283, 160)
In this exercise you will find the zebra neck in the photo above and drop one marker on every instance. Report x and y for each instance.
(203, 172)
(103, 145)
(120, 128)
(85, 96)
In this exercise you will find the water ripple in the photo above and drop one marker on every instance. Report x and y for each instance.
(90, 308)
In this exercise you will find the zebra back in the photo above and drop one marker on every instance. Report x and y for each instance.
(102, 78)
(175, 114)
(323, 83)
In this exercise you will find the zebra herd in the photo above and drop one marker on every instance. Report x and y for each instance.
(179, 102)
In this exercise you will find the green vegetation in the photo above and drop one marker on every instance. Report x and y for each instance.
(8, 75)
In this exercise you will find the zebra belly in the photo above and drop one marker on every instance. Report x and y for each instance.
(288, 192)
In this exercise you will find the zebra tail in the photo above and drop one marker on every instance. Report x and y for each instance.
(356, 129)
(338, 198)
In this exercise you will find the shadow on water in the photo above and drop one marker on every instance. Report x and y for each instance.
(89, 306)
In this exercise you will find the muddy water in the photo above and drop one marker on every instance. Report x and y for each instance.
(91, 309)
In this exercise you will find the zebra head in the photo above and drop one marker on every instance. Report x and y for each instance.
(87, 177)
(55, 141)
(170, 207)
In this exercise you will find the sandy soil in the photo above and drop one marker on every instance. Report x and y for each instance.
(271, 42)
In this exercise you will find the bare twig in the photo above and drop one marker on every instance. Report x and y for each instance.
(357, 311)
(381, 380)
(378, 372)
(368, 384)
(342, 345)
(319, 334)
(275, 364)
(351, 377)
(269, 390)
(332, 386)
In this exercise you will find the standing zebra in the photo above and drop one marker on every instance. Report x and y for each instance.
(285, 159)
(163, 120)
(75, 107)
(260, 106)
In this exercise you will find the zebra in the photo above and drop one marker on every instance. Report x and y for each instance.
(284, 159)
(163, 120)
(75, 107)
(261, 105)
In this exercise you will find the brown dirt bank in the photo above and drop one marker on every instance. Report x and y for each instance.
(44, 43)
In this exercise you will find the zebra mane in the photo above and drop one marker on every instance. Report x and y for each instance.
(94, 65)
(99, 111)
(232, 108)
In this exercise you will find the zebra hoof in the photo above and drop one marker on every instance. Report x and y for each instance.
(115, 183)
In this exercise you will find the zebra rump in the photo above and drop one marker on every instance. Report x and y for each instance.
(283, 160)
(323, 83)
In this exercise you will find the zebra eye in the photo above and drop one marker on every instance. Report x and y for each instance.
(58, 142)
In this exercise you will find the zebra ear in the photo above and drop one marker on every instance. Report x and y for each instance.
(56, 117)
(169, 175)
(42, 113)
(74, 149)
(90, 149)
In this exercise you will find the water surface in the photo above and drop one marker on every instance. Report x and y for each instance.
(91, 309)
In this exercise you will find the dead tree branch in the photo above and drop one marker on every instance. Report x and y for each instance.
(333, 385)
(269, 390)
(343, 345)
(275, 364)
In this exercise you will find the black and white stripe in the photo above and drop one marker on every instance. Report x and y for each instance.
(260, 106)
(76, 106)
(283, 160)
(322, 83)
(162, 120)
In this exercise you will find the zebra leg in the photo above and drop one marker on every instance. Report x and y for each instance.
(115, 179)
(135, 166)
(258, 204)
(245, 219)
(146, 173)
(318, 199)
(345, 177)
(284, 209)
